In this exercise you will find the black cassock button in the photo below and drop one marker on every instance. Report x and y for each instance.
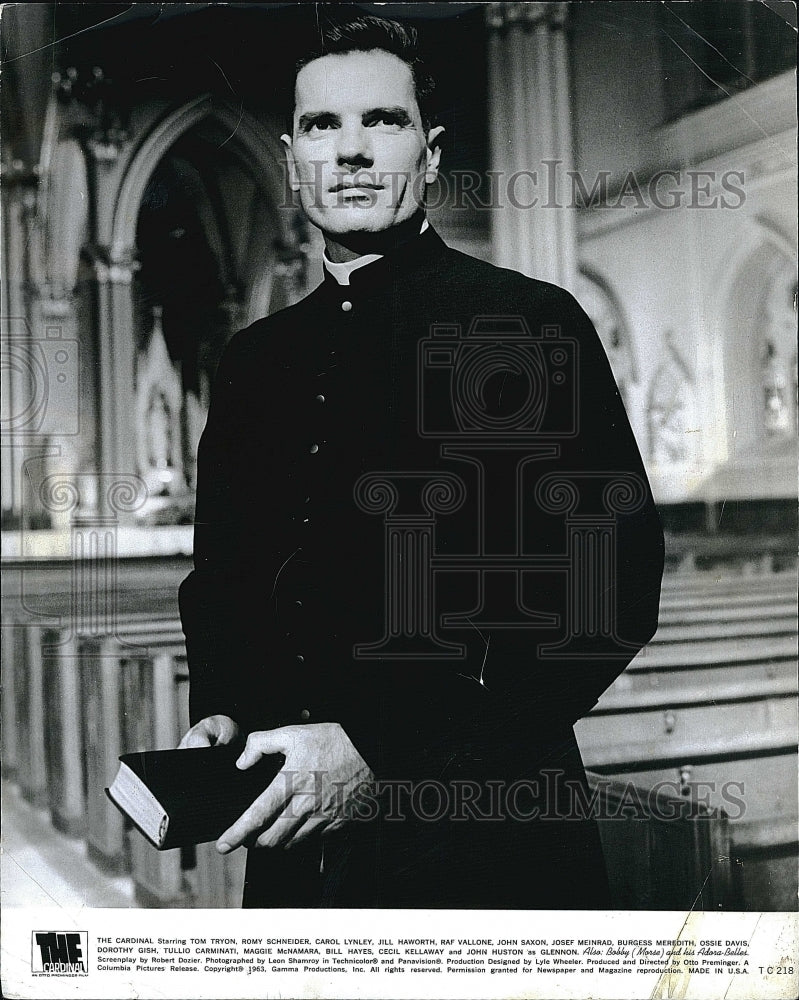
(305, 715)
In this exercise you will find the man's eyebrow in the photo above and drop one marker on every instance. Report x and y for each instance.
(311, 117)
(400, 113)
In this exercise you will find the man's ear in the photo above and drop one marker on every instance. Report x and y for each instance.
(433, 153)
(294, 177)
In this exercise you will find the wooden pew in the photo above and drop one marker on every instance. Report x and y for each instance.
(8, 650)
(711, 705)
(681, 588)
(759, 553)
(102, 740)
(155, 712)
(106, 734)
(63, 710)
(711, 699)
(150, 721)
(27, 711)
(664, 850)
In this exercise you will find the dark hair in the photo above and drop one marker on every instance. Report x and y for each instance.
(367, 33)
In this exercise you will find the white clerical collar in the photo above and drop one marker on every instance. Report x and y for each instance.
(341, 272)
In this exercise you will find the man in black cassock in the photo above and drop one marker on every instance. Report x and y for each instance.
(424, 545)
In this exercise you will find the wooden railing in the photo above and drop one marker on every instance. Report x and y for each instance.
(711, 700)
(74, 699)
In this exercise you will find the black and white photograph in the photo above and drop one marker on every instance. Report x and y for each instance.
(399, 499)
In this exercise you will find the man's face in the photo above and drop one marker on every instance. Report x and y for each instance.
(358, 155)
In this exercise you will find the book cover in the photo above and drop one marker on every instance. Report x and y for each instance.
(181, 797)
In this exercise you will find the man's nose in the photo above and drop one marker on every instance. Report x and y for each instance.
(354, 146)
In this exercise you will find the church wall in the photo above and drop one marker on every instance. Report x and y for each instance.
(617, 101)
(676, 271)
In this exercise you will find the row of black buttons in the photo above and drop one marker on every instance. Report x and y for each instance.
(305, 714)
(315, 447)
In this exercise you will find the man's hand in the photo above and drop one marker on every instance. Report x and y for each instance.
(312, 793)
(209, 732)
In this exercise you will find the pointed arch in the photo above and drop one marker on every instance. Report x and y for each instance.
(742, 283)
(250, 147)
(762, 273)
(251, 143)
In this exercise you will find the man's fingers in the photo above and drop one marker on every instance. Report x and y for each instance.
(213, 730)
(281, 831)
(266, 742)
(311, 826)
(260, 814)
(289, 830)
(193, 739)
(225, 729)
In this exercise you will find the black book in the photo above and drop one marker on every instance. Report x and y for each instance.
(183, 797)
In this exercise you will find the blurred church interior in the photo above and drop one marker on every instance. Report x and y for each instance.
(146, 218)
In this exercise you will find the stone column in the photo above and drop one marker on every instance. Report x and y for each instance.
(113, 276)
(15, 349)
(24, 367)
(533, 223)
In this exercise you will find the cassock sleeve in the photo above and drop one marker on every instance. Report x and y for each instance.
(212, 600)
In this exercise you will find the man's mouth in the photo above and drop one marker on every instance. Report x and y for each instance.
(361, 187)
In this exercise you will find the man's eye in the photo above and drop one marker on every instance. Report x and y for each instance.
(389, 120)
(322, 125)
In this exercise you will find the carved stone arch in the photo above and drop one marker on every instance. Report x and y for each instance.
(740, 283)
(250, 141)
(169, 392)
(756, 338)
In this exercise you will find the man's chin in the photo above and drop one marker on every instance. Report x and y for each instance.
(357, 221)
(343, 218)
